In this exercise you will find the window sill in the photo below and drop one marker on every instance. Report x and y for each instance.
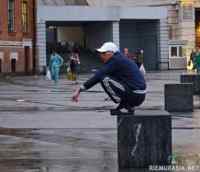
(26, 33)
(12, 33)
(177, 57)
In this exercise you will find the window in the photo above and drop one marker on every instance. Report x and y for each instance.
(1, 14)
(174, 51)
(13, 60)
(13, 65)
(180, 51)
(177, 51)
(11, 7)
(0, 25)
(25, 16)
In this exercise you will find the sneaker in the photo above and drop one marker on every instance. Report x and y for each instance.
(117, 112)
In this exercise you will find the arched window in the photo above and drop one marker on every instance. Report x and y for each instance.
(13, 65)
(25, 15)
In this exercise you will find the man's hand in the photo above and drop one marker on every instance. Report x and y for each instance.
(76, 95)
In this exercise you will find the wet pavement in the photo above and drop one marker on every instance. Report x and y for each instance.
(41, 130)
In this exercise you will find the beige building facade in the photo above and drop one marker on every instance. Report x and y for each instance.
(183, 25)
(91, 23)
(173, 26)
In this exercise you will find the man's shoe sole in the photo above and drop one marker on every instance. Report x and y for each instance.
(115, 112)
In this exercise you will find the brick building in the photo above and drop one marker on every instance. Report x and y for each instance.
(17, 36)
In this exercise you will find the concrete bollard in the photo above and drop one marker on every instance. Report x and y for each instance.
(144, 139)
(192, 78)
(179, 97)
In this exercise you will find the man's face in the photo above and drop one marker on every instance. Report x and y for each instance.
(126, 51)
(105, 56)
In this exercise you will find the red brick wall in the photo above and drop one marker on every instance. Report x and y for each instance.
(20, 63)
(17, 35)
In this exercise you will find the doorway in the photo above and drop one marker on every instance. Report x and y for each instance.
(13, 65)
(26, 58)
(141, 34)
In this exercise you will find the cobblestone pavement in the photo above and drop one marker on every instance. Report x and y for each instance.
(41, 130)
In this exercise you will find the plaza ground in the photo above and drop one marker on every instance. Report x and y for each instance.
(41, 130)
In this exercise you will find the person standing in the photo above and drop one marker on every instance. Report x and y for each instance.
(120, 78)
(56, 61)
(192, 59)
(78, 62)
(74, 62)
(139, 57)
(197, 60)
(127, 54)
(139, 60)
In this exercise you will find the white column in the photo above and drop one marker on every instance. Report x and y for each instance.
(41, 46)
(163, 45)
(115, 30)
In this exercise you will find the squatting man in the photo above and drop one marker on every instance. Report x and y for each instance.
(120, 77)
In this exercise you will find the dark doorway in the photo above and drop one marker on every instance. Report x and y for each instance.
(197, 26)
(26, 60)
(141, 34)
(13, 65)
(86, 36)
(149, 45)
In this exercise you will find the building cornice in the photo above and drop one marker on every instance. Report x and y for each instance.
(25, 42)
(75, 13)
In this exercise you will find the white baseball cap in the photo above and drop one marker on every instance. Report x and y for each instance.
(108, 46)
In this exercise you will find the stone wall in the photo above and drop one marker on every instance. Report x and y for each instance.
(128, 2)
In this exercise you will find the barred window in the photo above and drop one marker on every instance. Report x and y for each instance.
(11, 11)
(25, 16)
(0, 18)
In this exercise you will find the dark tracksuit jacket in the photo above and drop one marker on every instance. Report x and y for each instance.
(120, 69)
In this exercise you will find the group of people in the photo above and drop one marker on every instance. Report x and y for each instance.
(195, 59)
(73, 66)
(137, 57)
(56, 61)
(121, 76)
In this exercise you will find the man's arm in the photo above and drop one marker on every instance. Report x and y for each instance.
(108, 68)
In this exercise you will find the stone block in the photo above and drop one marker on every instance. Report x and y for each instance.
(192, 78)
(179, 97)
(144, 139)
